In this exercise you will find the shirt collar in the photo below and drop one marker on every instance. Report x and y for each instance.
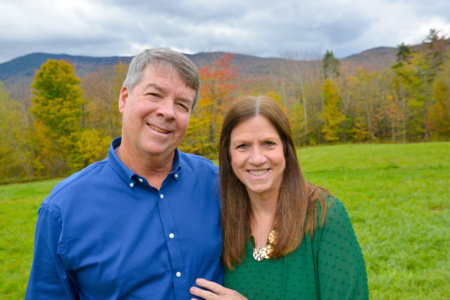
(129, 176)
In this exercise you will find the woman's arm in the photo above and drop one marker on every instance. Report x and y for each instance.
(340, 263)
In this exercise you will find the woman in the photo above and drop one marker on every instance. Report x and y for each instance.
(284, 238)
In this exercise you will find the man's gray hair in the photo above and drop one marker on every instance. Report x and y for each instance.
(167, 58)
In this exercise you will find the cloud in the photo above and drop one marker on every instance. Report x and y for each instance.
(261, 28)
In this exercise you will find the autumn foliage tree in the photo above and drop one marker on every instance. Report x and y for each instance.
(70, 124)
(101, 119)
(332, 115)
(421, 73)
(101, 91)
(15, 155)
(217, 89)
(57, 107)
(439, 112)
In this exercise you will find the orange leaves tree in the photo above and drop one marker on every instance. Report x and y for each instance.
(218, 87)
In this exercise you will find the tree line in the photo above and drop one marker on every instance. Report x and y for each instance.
(70, 122)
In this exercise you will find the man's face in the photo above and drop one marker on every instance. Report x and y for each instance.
(156, 113)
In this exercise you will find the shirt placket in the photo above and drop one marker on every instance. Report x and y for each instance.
(173, 244)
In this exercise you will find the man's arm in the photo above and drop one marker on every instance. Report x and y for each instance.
(48, 278)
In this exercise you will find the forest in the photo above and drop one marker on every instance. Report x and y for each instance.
(69, 121)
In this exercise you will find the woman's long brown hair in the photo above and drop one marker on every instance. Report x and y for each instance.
(297, 197)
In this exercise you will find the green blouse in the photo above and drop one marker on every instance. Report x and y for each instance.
(329, 266)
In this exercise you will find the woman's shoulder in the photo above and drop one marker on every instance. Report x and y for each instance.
(336, 217)
(335, 207)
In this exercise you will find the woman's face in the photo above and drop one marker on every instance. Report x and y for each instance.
(257, 157)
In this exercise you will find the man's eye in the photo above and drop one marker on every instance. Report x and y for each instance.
(152, 95)
(183, 106)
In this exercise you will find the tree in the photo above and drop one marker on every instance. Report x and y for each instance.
(417, 83)
(15, 155)
(439, 113)
(403, 53)
(302, 74)
(101, 91)
(330, 65)
(332, 115)
(218, 86)
(57, 107)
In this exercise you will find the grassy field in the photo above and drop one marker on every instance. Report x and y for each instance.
(397, 197)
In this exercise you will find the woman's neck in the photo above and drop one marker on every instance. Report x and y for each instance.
(262, 219)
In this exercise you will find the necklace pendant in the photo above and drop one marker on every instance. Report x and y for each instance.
(259, 254)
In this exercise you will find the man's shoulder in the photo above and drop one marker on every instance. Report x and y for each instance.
(78, 183)
(197, 162)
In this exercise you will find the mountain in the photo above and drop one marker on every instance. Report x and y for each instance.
(373, 59)
(25, 67)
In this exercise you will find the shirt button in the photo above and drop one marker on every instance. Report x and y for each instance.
(176, 175)
(161, 196)
(141, 180)
(131, 184)
(171, 235)
(178, 274)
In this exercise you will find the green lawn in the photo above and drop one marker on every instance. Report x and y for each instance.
(397, 197)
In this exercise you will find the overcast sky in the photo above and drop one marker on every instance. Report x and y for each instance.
(255, 27)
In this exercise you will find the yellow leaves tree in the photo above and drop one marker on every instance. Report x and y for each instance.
(439, 112)
(331, 114)
(90, 147)
(57, 107)
(15, 155)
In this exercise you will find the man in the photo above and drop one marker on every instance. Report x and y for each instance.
(144, 222)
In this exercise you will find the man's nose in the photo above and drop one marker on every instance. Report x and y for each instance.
(167, 108)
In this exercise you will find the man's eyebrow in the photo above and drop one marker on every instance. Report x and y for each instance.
(154, 85)
(162, 90)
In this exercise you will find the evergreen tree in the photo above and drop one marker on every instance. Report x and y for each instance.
(330, 65)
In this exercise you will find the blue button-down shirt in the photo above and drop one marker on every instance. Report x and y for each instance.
(105, 233)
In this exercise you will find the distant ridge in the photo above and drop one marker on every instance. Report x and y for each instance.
(24, 67)
(28, 64)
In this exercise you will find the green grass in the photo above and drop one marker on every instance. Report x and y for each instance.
(18, 212)
(397, 197)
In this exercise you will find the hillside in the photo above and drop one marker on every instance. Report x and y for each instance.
(23, 68)
(26, 66)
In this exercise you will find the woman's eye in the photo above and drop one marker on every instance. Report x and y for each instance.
(241, 146)
(269, 144)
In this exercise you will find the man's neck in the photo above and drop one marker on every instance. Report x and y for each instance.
(153, 168)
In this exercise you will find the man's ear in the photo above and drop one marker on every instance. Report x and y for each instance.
(123, 97)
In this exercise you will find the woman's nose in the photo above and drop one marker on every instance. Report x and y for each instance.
(257, 156)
